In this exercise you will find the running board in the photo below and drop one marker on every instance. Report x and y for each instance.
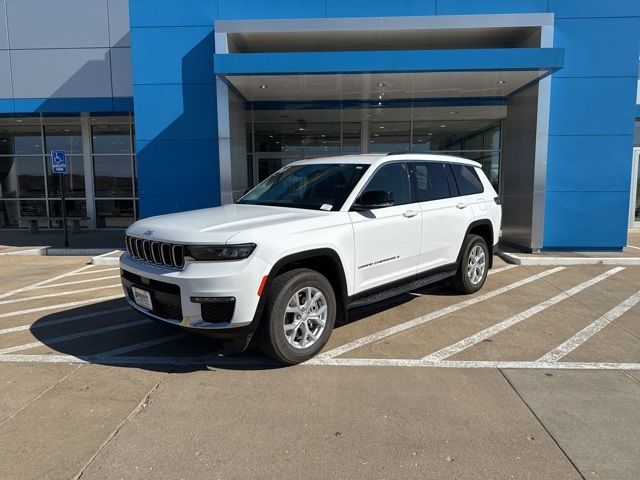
(400, 289)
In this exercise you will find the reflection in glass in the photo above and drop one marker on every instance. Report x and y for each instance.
(30, 177)
(9, 213)
(113, 176)
(114, 213)
(389, 137)
(63, 137)
(111, 139)
(73, 179)
(75, 208)
(8, 181)
(20, 140)
(32, 208)
(298, 137)
(351, 137)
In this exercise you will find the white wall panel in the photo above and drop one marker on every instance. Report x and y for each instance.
(68, 73)
(119, 23)
(3, 27)
(5, 75)
(121, 72)
(57, 23)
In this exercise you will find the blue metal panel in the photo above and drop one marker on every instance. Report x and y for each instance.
(251, 9)
(460, 7)
(586, 219)
(60, 105)
(379, 8)
(169, 13)
(388, 61)
(175, 176)
(122, 104)
(593, 106)
(172, 48)
(6, 105)
(597, 47)
(587, 163)
(175, 112)
(594, 8)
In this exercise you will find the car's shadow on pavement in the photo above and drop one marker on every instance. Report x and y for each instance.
(112, 333)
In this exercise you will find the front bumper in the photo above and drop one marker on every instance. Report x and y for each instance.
(172, 290)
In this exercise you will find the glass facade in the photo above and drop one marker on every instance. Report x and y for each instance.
(295, 135)
(100, 183)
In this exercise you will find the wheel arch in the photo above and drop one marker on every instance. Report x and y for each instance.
(484, 229)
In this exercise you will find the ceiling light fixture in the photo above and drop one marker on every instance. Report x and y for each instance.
(442, 126)
(263, 86)
(501, 82)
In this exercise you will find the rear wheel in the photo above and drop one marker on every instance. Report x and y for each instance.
(474, 265)
(299, 316)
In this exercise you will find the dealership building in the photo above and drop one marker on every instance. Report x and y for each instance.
(166, 105)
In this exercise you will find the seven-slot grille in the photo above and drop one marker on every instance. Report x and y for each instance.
(160, 253)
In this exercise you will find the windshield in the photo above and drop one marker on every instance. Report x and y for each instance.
(313, 186)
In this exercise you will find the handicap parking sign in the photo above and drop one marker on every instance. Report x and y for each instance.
(58, 161)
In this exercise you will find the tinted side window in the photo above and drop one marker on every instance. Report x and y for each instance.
(392, 178)
(431, 181)
(467, 179)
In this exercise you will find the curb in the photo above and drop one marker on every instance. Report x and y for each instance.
(566, 261)
(109, 258)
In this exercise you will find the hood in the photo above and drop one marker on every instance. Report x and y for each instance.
(215, 225)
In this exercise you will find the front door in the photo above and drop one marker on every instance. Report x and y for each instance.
(387, 239)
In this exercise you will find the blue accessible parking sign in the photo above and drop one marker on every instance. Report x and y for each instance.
(58, 161)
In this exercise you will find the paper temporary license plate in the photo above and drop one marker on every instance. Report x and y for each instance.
(142, 298)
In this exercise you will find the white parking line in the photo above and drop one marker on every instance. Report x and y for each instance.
(58, 321)
(61, 305)
(48, 280)
(633, 246)
(142, 345)
(501, 269)
(60, 294)
(73, 336)
(337, 362)
(390, 362)
(509, 322)
(433, 315)
(96, 271)
(75, 282)
(590, 330)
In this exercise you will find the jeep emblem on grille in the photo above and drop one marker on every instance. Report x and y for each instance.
(148, 233)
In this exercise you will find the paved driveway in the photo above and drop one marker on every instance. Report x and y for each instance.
(536, 376)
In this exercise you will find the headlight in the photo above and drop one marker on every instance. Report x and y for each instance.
(220, 252)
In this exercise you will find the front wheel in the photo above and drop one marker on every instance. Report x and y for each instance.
(474, 265)
(299, 316)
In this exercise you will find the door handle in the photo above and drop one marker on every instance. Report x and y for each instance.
(462, 205)
(410, 213)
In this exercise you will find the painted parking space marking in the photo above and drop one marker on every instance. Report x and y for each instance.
(74, 336)
(509, 322)
(95, 270)
(590, 330)
(75, 282)
(61, 305)
(143, 345)
(60, 294)
(59, 321)
(433, 315)
(48, 280)
(493, 271)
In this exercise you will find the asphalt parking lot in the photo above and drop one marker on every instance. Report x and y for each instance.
(537, 376)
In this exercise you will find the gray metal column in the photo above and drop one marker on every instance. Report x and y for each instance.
(87, 150)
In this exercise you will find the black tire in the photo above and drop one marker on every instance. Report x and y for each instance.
(271, 335)
(462, 282)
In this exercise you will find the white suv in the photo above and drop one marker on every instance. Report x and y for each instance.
(316, 238)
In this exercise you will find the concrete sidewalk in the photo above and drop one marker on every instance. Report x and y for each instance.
(87, 242)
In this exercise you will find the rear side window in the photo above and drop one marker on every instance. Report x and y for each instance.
(431, 181)
(394, 178)
(467, 179)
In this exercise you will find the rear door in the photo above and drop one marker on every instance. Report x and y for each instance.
(445, 216)
(470, 187)
(387, 240)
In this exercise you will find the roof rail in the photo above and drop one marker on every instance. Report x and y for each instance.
(398, 153)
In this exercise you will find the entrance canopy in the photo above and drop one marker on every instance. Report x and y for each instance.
(383, 75)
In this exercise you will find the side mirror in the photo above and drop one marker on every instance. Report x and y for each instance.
(374, 199)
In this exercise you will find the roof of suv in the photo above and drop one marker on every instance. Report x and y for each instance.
(378, 158)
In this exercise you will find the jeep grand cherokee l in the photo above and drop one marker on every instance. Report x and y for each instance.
(316, 238)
